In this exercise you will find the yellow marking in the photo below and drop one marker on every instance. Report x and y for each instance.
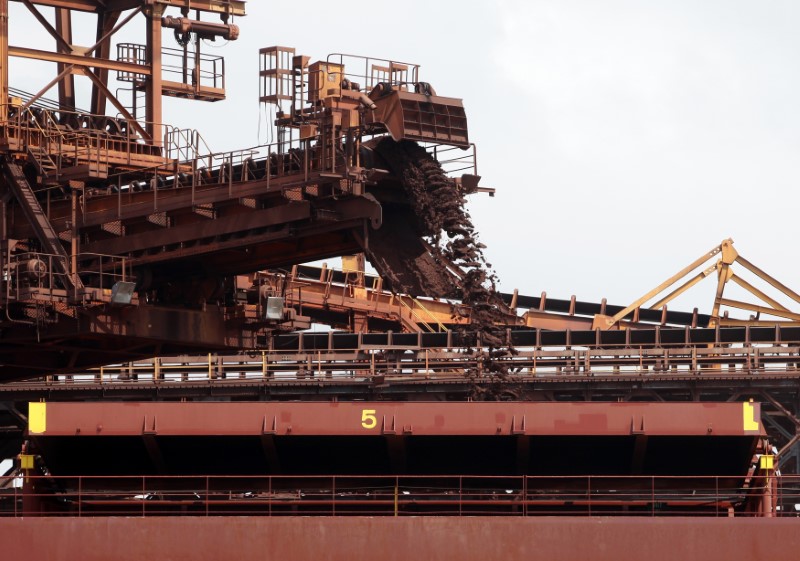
(368, 419)
(26, 461)
(749, 417)
(767, 461)
(37, 417)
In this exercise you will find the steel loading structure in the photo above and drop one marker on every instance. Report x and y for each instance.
(122, 242)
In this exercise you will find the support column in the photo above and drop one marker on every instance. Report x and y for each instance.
(153, 88)
(66, 86)
(105, 24)
(3, 60)
(31, 501)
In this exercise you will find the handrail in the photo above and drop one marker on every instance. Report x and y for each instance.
(127, 135)
(25, 272)
(369, 63)
(463, 161)
(762, 495)
(192, 71)
(362, 364)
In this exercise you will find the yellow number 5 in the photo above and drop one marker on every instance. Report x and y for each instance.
(368, 419)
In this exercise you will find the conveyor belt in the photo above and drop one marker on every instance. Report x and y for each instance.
(555, 305)
(350, 366)
(654, 337)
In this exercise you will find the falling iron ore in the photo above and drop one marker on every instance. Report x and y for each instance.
(432, 249)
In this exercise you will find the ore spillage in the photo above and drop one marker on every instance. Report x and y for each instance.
(433, 249)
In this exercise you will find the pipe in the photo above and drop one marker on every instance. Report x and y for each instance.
(366, 101)
(203, 29)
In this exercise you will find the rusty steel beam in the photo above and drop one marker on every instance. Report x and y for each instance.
(107, 335)
(239, 222)
(66, 87)
(783, 410)
(64, 42)
(321, 295)
(419, 419)
(399, 539)
(105, 29)
(4, 58)
(128, 206)
(153, 90)
(543, 308)
(87, 5)
(78, 60)
(233, 7)
(279, 248)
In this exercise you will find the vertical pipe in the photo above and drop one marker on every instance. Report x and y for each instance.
(194, 177)
(305, 160)
(3, 244)
(460, 493)
(74, 243)
(589, 494)
(524, 495)
(768, 498)
(3, 60)
(652, 495)
(197, 71)
(153, 89)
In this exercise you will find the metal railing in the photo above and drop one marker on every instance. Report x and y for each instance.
(185, 67)
(26, 274)
(366, 360)
(455, 161)
(267, 163)
(437, 495)
(56, 136)
(368, 72)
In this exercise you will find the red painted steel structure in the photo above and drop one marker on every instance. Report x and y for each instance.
(163, 247)
(400, 495)
(419, 419)
(399, 539)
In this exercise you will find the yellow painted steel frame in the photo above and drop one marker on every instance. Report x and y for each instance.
(725, 273)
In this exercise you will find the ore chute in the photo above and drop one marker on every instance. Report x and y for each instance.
(429, 246)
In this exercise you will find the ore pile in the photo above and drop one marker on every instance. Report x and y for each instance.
(454, 264)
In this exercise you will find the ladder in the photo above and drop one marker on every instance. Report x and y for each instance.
(48, 237)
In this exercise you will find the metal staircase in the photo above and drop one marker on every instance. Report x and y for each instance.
(48, 237)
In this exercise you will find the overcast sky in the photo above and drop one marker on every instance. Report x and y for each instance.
(624, 138)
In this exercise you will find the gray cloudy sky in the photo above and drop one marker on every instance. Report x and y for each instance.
(624, 138)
